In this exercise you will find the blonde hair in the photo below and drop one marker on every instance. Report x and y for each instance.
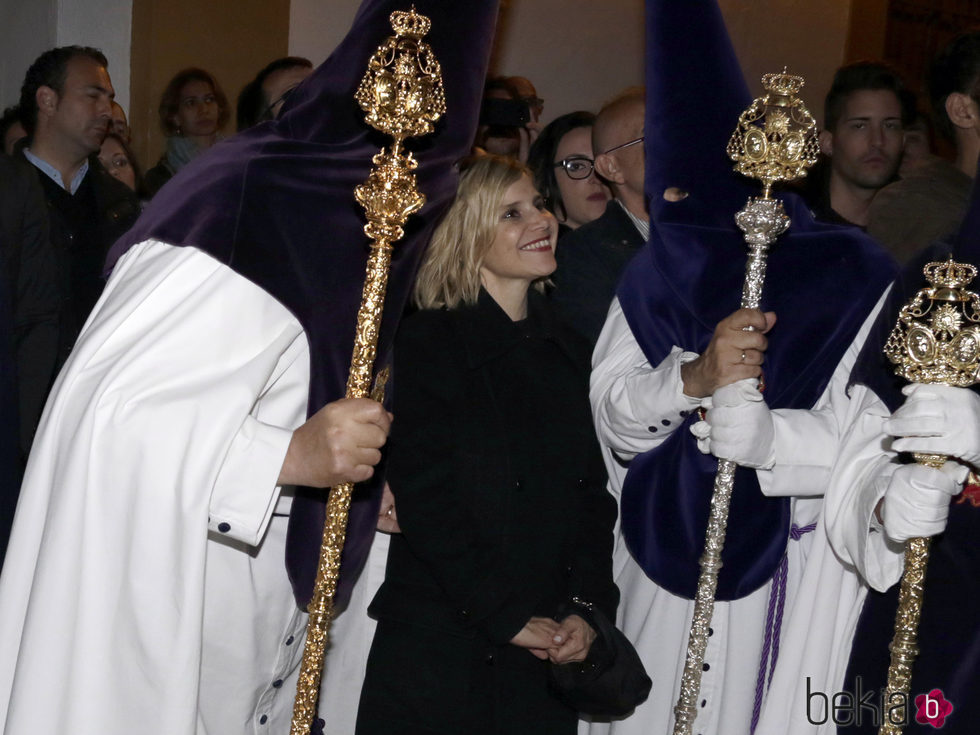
(450, 271)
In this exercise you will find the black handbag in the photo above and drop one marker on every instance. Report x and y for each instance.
(611, 681)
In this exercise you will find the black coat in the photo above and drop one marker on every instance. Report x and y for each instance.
(82, 228)
(28, 318)
(591, 260)
(500, 493)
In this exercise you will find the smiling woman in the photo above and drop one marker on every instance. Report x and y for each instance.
(497, 480)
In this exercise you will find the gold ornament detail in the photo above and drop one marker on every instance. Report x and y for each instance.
(929, 344)
(776, 140)
(776, 137)
(403, 96)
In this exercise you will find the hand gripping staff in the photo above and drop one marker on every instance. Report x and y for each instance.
(402, 96)
(776, 140)
(936, 340)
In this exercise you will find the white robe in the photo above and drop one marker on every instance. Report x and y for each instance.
(849, 554)
(629, 396)
(144, 589)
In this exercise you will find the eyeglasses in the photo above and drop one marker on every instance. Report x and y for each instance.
(533, 102)
(576, 167)
(627, 144)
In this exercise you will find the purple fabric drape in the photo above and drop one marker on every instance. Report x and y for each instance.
(276, 204)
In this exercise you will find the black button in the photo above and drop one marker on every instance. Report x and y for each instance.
(289, 641)
(464, 614)
(263, 719)
(685, 413)
(277, 683)
(711, 631)
(224, 527)
(665, 422)
(705, 667)
(517, 486)
(489, 659)
(652, 429)
(704, 702)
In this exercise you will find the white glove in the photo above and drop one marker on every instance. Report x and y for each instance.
(917, 500)
(938, 419)
(738, 426)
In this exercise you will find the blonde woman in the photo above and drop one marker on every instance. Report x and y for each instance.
(497, 478)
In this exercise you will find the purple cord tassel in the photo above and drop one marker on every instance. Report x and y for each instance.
(774, 623)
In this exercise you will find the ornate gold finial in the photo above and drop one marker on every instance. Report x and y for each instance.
(402, 92)
(937, 337)
(936, 340)
(776, 136)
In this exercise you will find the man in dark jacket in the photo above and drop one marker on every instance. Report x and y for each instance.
(591, 258)
(66, 104)
(28, 318)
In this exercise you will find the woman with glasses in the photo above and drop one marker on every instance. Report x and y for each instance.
(117, 158)
(562, 161)
(193, 111)
(499, 487)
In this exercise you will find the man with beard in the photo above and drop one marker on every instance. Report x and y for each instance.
(865, 113)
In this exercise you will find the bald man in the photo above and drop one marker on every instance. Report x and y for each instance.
(592, 257)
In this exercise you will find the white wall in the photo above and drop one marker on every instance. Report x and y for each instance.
(317, 26)
(27, 28)
(106, 25)
(30, 27)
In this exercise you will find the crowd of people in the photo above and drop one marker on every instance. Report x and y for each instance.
(569, 361)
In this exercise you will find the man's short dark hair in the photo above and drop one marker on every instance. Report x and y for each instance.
(50, 70)
(860, 76)
(955, 69)
(253, 107)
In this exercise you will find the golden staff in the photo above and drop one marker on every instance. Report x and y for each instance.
(403, 96)
(776, 140)
(929, 344)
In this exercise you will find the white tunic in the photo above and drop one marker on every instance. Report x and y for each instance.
(144, 589)
(629, 396)
(849, 554)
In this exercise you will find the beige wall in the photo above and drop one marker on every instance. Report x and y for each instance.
(806, 37)
(232, 39)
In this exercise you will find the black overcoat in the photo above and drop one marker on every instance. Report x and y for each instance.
(500, 493)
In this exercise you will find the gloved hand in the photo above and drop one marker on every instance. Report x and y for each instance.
(938, 419)
(917, 500)
(738, 426)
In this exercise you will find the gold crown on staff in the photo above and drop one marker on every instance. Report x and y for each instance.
(776, 136)
(402, 91)
(937, 336)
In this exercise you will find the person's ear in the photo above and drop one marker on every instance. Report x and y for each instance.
(826, 139)
(47, 99)
(608, 168)
(962, 110)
